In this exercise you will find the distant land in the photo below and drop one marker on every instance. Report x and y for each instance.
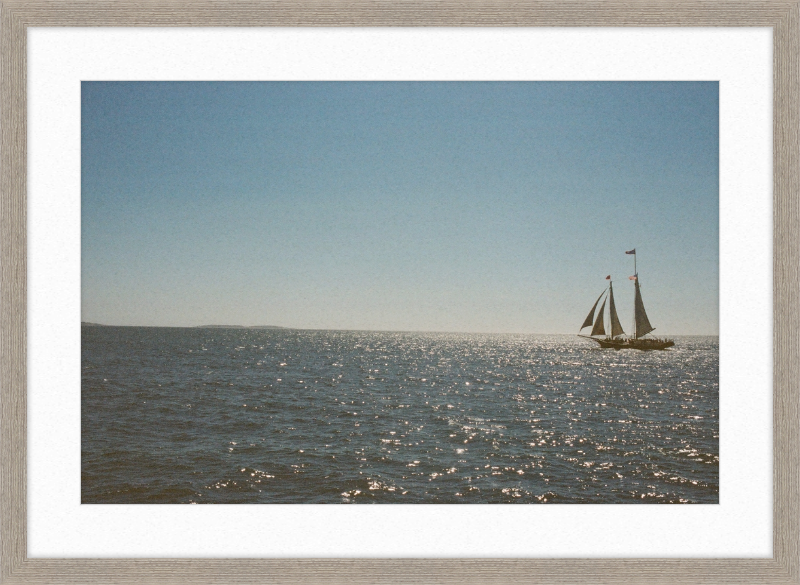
(88, 324)
(238, 327)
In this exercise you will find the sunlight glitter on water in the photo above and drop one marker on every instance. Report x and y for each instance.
(394, 417)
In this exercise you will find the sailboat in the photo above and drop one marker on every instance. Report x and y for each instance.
(641, 324)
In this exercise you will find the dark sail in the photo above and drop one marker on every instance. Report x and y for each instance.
(598, 328)
(643, 326)
(616, 326)
(590, 318)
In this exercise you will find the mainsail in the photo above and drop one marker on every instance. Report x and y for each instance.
(643, 326)
(616, 326)
(590, 317)
(598, 328)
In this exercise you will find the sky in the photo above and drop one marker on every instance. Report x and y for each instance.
(404, 206)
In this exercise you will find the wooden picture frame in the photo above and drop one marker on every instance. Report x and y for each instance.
(784, 19)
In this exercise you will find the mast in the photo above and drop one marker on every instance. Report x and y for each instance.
(635, 279)
(641, 324)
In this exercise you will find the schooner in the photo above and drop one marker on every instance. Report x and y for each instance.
(614, 337)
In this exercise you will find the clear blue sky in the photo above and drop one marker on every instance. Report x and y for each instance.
(453, 206)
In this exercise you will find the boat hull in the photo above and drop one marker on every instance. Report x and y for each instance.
(640, 344)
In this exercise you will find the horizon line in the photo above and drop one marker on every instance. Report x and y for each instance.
(285, 328)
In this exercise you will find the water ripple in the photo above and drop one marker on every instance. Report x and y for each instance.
(289, 416)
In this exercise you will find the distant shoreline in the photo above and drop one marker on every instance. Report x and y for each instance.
(88, 324)
(238, 327)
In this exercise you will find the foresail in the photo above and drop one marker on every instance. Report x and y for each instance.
(643, 326)
(616, 326)
(590, 318)
(598, 328)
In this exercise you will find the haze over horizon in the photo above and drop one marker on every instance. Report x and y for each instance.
(289, 328)
(482, 207)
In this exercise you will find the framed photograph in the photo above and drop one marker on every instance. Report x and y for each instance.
(270, 256)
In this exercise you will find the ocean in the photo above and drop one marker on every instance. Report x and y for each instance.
(199, 415)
